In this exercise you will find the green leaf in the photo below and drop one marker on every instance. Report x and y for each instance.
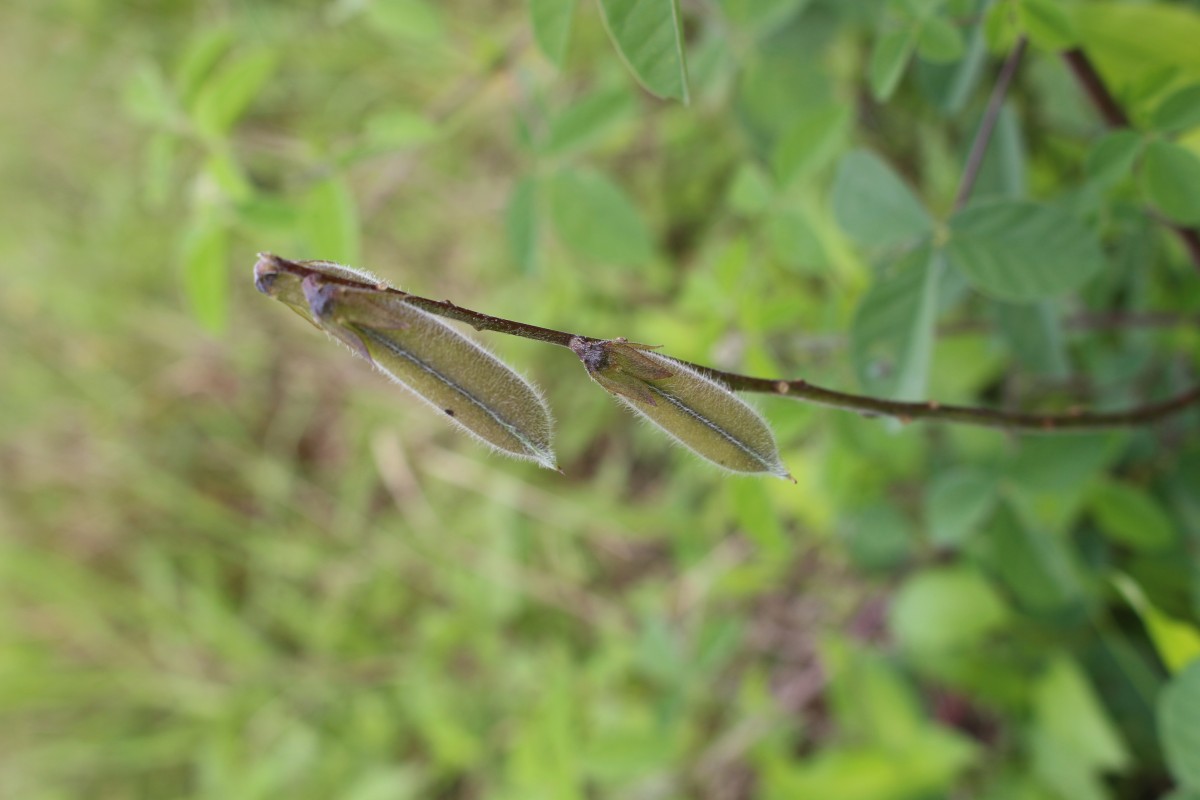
(1171, 177)
(949, 86)
(957, 503)
(1075, 740)
(919, 9)
(544, 758)
(406, 20)
(892, 333)
(1130, 516)
(1181, 110)
(1000, 27)
(1048, 24)
(1112, 157)
(389, 131)
(889, 57)
(648, 34)
(754, 510)
(1179, 726)
(946, 609)
(223, 171)
(1129, 685)
(1178, 643)
(890, 749)
(940, 41)
(148, 98)
(776, 89)
(1023, 251)
(1132, 42)
(1002, 173)
(928, 765)
(228, 92)
(162, 152)
(795, 240)
(874, 206)
(521, 224)
(203, 51)
(762, 17)
(1034, 334)
(386, 783)
(269, 217)
(870, 698)
(588, 121)
(595, 218)
(398, 128)
(330, 221)
(205, 256)
(879, 537)
(810, 143)
(750, 191)
(1034, 565)
(551, 21)
(1061, 464)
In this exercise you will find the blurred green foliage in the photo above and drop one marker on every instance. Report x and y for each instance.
(235, 564)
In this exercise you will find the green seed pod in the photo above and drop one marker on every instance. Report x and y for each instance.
(450, 372)
(698, 412)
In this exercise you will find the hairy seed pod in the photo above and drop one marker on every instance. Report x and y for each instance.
(449, 371)
(698, 412)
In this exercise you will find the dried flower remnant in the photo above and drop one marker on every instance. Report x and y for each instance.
(696, 411)
(276, 278)
(452, 373)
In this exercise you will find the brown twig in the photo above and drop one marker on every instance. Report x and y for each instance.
(1093, 85)
(1075, 420)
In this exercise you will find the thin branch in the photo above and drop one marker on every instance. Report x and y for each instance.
(1093, 85)
(1095, 88)
(987, 125)
(1074, 420)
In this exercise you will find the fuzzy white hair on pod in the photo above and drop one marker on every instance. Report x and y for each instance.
(446, 369)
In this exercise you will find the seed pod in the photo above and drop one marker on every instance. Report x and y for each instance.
(698, 412)
(450, 372)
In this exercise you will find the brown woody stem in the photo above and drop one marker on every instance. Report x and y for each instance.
(1093, 85)
(1074, 420)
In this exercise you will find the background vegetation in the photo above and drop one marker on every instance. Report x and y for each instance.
(234, 563)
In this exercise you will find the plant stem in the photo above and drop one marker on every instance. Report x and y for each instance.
(987, 125)
(1074, 420)
(1093, 85)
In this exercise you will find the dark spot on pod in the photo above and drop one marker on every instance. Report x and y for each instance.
(320, 296)
(449, 412)
(264, 281)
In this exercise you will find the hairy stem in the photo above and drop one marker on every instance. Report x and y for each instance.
(1097, 91)
(1074, 420)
